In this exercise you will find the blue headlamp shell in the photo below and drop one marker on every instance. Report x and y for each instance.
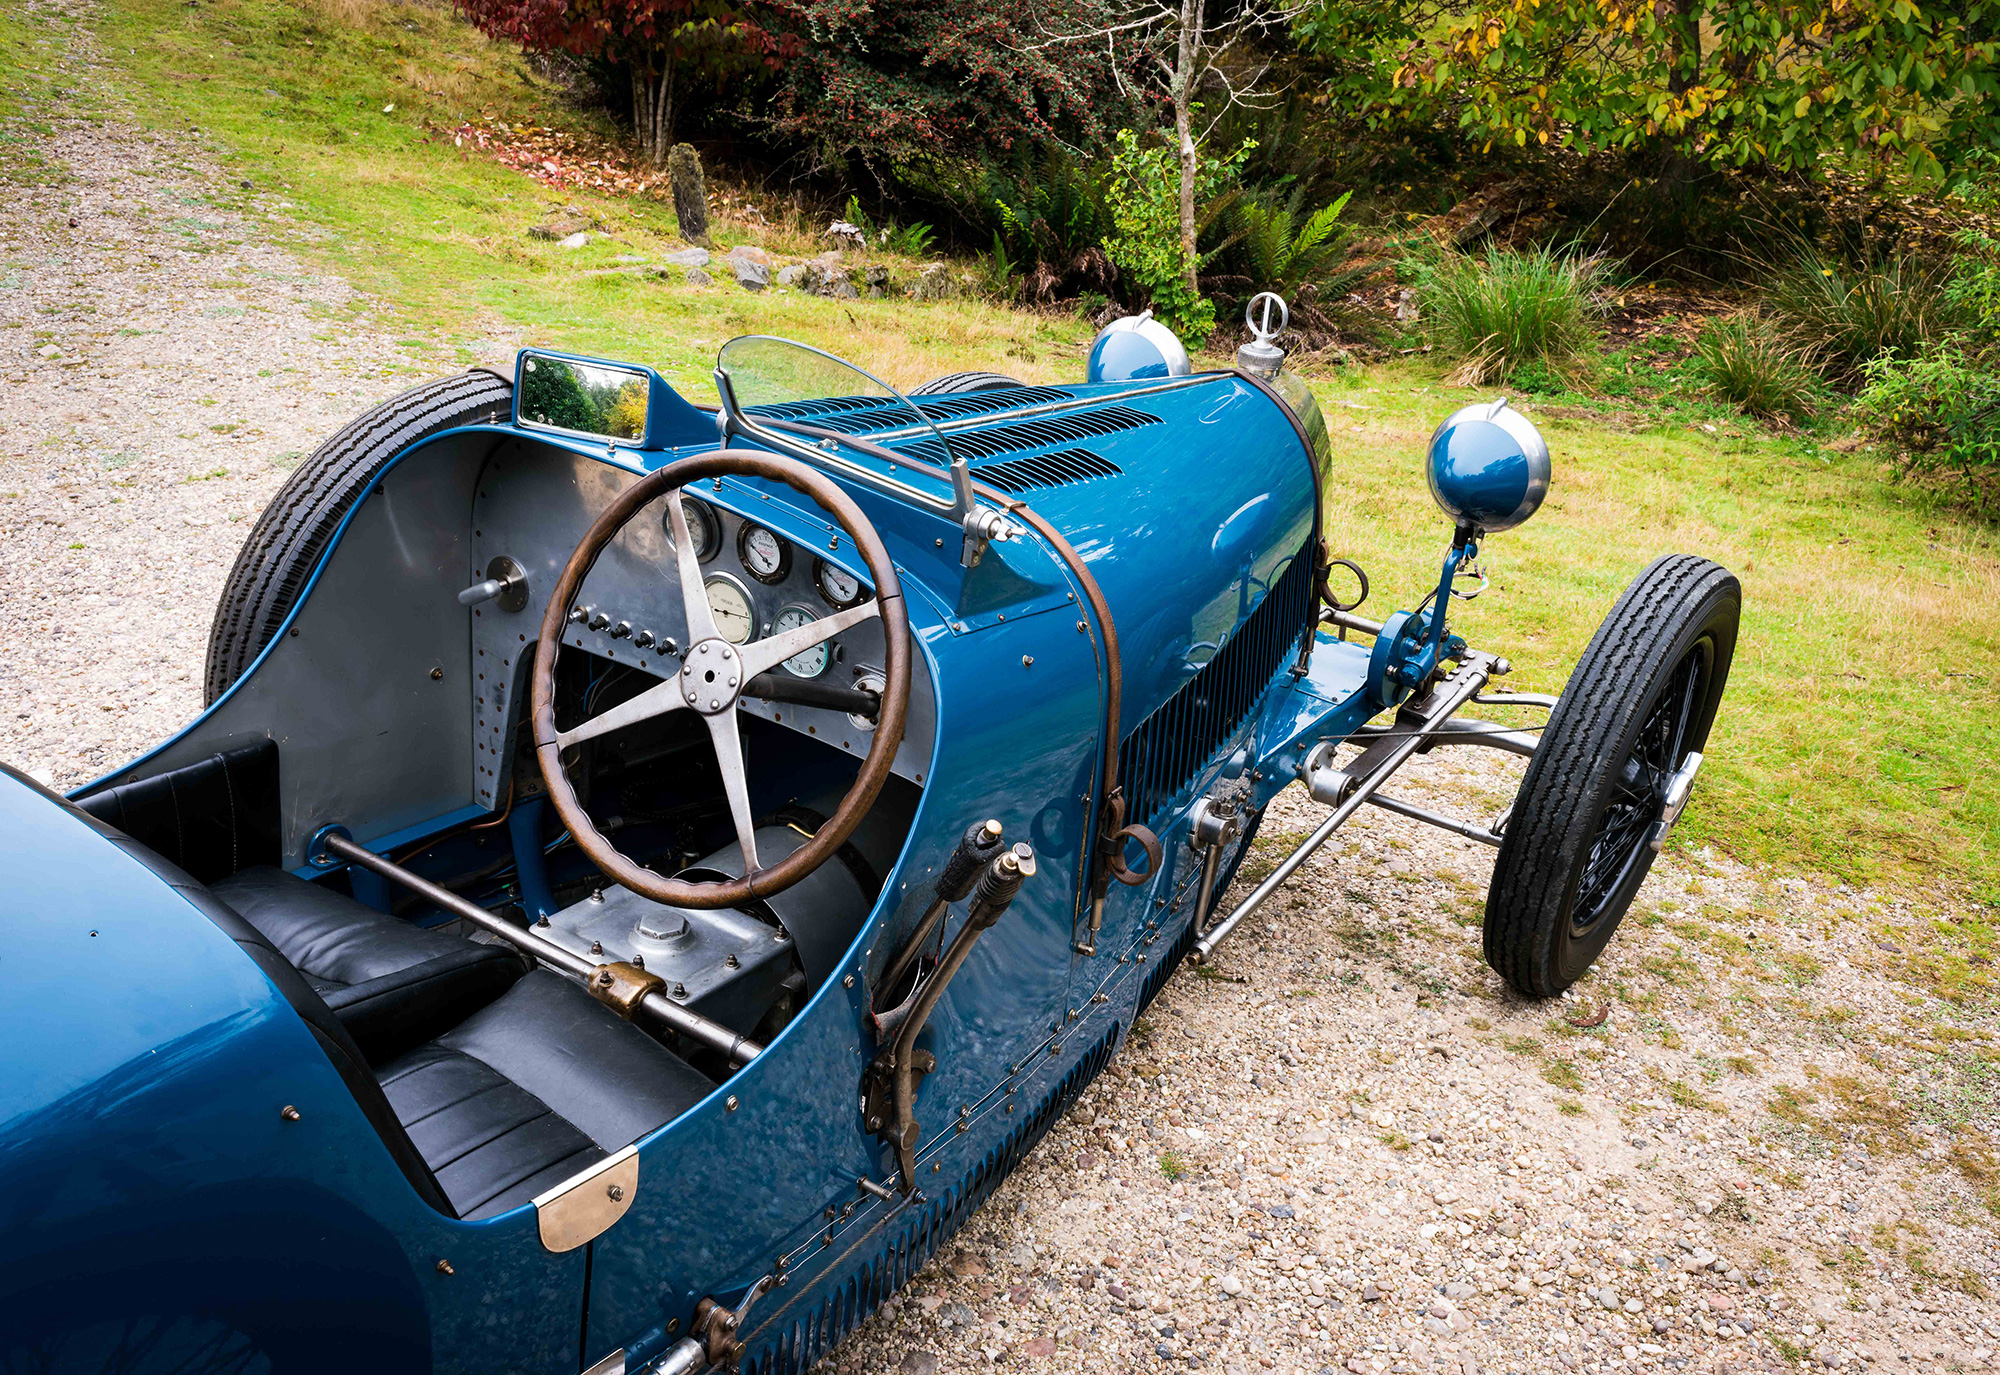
(1488, 467)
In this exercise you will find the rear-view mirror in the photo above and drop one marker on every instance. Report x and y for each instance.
(575, 397)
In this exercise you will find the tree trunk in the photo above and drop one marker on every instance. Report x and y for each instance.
(653, 106)
(1183, 96)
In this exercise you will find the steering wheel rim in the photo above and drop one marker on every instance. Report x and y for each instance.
(712, 677)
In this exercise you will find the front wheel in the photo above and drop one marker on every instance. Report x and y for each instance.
(1611, 773)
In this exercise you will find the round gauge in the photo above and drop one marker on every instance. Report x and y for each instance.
(807, 663)
(766, 557)
(729, 603)
(703, 525)
(837, 585)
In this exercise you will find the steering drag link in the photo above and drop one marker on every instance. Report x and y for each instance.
(1423, 719)
(626, 988)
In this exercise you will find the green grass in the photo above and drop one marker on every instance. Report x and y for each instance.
(1514, 309)
(1857, 735)
(294, 97)
(1741, 360)
(28, 80)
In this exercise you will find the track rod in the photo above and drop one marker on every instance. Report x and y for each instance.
(1453, 694)
(661, 1008)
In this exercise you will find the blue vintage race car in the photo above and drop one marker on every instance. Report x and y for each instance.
(645, 874)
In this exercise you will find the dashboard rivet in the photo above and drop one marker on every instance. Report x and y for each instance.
(730, 1104)
(437, 675)
(847, 982)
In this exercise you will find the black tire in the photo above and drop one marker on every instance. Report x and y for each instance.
(290, 536)
(1641, 699)
(966, 381)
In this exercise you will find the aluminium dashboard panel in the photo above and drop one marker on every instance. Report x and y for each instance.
(534, 502)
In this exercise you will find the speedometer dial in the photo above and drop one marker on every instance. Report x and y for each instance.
(840, 587)
(729, 603)
(704, 527)
(766, 557)
(807, 663)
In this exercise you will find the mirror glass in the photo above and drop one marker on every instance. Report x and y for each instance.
(583, 398)
(778, 384)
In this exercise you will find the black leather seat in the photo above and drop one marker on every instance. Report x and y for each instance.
(506, 1083)
(393, 985)
(544, 1083)
(517, 1093)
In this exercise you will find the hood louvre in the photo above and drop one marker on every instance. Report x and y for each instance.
(1018, 475)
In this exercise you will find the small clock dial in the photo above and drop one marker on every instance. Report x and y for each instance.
(808, 663)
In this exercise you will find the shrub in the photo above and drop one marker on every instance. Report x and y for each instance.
(1850, 315)
(1515, 307)
(1941, 409)
(1050, 209)
(1144, 192)
(1743, 361)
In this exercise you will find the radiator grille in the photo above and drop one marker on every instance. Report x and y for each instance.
(1019, 475)
(806, 1338)
(1166, 751)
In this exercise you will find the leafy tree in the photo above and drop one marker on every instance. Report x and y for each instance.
(667, 45)
(913, 81)
(1736, 83)
(1146, 199)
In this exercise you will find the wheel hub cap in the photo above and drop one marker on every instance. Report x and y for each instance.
(712, 677)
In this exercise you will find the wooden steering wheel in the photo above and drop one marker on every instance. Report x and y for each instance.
(712, 678)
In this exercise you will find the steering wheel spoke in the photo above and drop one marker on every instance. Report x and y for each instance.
(694, 591)
(735, 783)
(764, 655)
(656, 700)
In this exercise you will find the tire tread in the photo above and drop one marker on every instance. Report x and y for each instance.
(285, 545)
(1545, 831)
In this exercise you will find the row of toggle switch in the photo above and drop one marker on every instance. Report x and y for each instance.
(593, 619)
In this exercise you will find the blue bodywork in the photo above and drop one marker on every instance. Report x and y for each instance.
(151, 1179)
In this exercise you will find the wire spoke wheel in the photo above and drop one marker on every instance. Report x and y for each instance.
(1582, 834)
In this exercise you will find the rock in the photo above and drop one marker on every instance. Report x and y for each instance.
(561, 222)
(1608, 1298)
(919, 1363)
(1231, 1285)
(1369, 1293)
(843, 290)
(1041, 1348)
(749, 253)
(49, 351)
(1459, 1289)
(688, 257)
(1283, 1210)
(957, 1314)
(696, 277)
(967, 1266)
(791, 275)
(576, 240)
(751, 276)
(690, 192)
(934, 283)
(846, 235)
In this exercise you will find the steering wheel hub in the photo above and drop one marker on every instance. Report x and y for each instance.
(712, 677)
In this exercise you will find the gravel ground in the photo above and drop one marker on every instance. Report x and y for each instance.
(1758, 1135)
(162, 368)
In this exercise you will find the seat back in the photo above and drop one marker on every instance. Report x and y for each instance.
(211, 818)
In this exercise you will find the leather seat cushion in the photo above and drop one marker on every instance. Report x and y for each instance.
(532, 1089)
(391, 984)
(332, 939)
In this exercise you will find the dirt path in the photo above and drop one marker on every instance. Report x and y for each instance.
(162, 368)
(1343, 1147)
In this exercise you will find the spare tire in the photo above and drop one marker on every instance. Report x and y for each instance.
(288, 539)
(966, 381)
